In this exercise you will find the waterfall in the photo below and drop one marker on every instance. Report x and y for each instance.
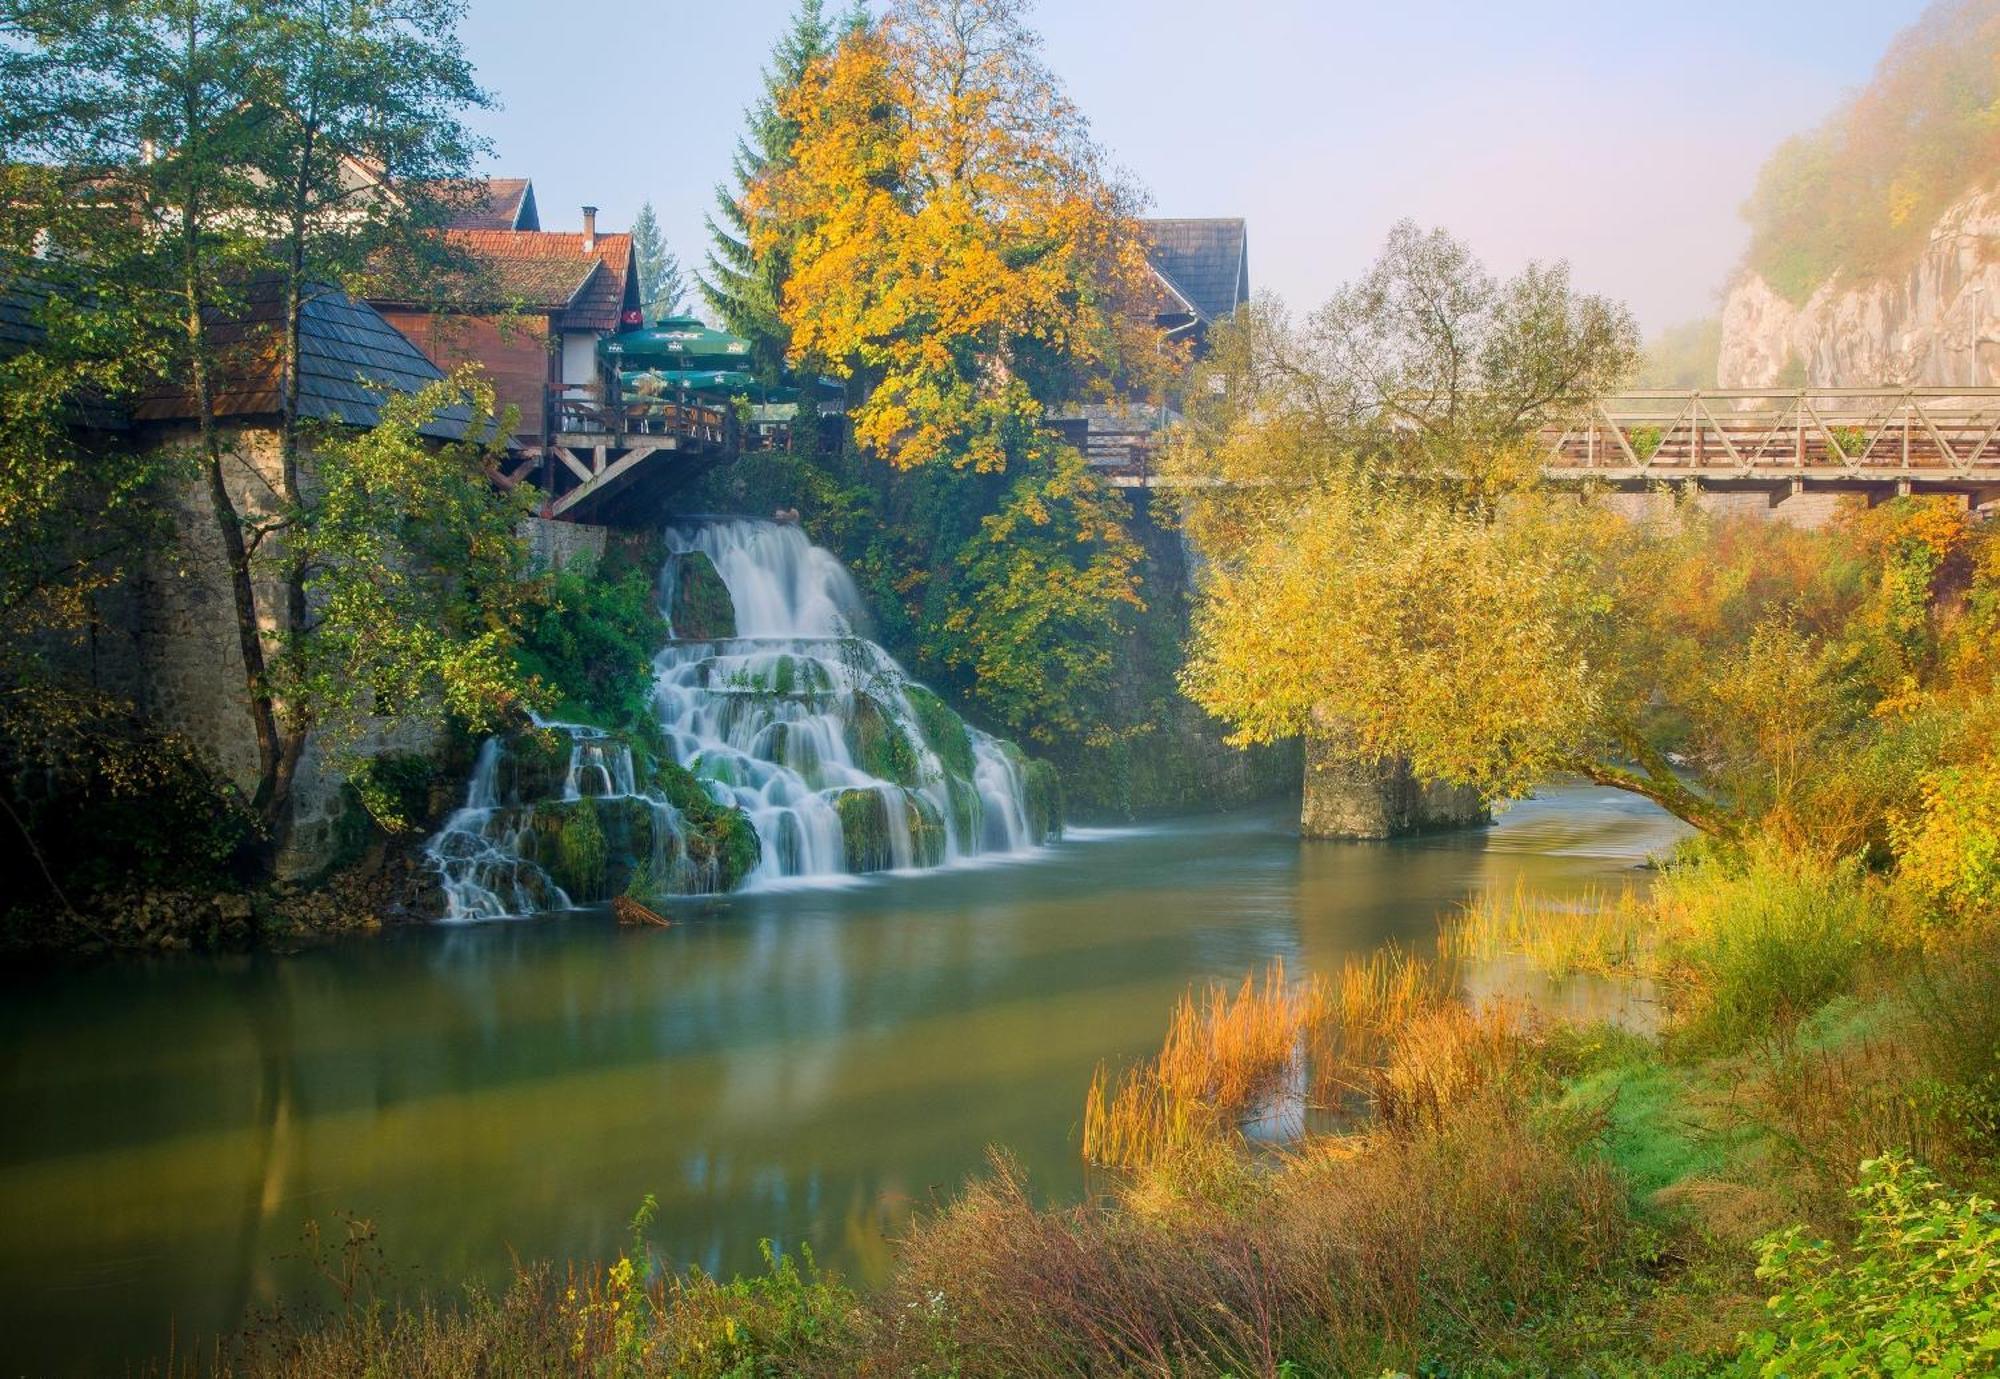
(774, 709)
(815, 731)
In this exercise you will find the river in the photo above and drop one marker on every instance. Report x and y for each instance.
(808, 1065)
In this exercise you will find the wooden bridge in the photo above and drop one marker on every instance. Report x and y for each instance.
(1866, 440)
(1908, 440)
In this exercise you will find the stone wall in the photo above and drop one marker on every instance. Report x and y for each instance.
(1350, 796)
(1809, 509)
(559, 544)
(172, 645)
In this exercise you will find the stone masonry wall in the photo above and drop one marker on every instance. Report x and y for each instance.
(186, 662)
(1349, 796)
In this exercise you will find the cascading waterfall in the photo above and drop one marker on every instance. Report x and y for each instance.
(842, 762)
(798, 749)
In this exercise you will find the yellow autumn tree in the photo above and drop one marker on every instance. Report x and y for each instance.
(1384, 562)
(956, 249)
(956, 243)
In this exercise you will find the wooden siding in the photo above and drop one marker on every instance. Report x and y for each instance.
(515, 351)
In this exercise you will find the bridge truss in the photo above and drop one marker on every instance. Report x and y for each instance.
(1914, 439)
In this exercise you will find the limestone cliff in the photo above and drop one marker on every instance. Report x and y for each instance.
(1935, 325)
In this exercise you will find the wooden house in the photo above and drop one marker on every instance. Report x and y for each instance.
(530, 309)
(1203, 269)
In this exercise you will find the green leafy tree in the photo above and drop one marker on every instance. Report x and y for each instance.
(282, 148)
(417, 588)
(662, 286)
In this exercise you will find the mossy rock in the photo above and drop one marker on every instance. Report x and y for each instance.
(570, 846)
(726, 841)
(877, 742)
(533, 765)
(702, 610)
(717, 833)
(864, 830)
(944, 731)
(968, 811)
(927, 832)
(1041, 789)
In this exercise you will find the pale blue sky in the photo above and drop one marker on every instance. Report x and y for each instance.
(1622, 135)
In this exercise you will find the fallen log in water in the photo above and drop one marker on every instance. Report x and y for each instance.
(630, 911)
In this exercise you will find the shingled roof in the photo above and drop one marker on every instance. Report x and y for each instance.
(21, 301)
(1206, 263)
(492, 203)
(350, 361)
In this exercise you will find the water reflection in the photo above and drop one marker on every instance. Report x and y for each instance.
(806, 1066)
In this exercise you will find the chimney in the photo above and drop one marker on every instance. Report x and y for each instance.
(590, 229)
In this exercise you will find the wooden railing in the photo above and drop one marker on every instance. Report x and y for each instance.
(580, 409)
(1870, 434)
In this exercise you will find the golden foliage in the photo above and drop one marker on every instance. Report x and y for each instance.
(953, 238)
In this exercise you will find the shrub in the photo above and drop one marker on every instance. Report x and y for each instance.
(1950, 849)
(1919, 1292)
(1434, 1253)
(1756, 948)
(593, 643)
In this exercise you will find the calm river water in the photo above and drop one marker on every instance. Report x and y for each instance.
(805, 1065)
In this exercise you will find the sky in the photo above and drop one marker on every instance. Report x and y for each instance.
(1620, 135)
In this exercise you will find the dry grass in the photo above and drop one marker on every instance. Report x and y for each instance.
(1359, 1253)
(1231, 1052)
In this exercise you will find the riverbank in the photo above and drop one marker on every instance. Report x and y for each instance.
(1787, 1179)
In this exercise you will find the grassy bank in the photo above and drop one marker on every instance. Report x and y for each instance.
(1788, 1178)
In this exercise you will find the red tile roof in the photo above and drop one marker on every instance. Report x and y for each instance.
(604, 296)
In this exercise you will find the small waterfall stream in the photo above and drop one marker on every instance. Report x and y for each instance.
(773, 700)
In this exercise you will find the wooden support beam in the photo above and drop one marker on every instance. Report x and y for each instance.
(571, 462)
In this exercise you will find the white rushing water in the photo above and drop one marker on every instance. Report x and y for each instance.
(839, 761)
(767, 717)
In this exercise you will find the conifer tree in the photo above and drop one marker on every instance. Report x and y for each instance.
(742, 288)
(662, 285)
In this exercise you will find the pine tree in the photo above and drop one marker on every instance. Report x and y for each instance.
(738, 287)
(662, 285)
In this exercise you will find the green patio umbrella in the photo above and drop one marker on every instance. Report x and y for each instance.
(677, 342)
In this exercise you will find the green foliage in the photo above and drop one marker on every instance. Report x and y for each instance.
(1761, 945)
(591, 644)
(396, 789)
(1041, 595)
(101, 801)
(1645, 441)
(1859, 196)
(421, 585)
(1918, 1292)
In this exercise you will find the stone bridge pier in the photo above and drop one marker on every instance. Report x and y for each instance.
(1348, 795)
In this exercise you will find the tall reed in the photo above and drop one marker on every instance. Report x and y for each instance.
(1229, 1052)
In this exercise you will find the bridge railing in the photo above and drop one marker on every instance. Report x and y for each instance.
(1865, 433)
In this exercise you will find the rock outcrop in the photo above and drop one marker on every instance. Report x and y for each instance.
(1937, 325)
